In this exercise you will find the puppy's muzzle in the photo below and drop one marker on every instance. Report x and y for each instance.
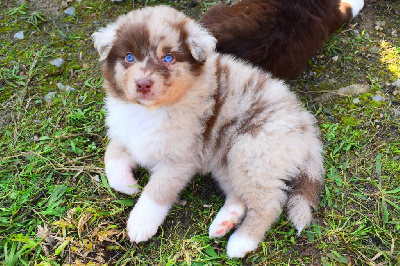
(144, 86)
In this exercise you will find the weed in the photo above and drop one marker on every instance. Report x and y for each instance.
(36, 18)
(20, 10)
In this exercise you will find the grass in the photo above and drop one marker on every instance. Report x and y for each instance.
(56, 207)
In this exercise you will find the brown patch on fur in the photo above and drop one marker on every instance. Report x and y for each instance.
(225, 71)
(253, 121)
(252, 129)
(305, 128)
(222, 130)
(303, 185)
(218, 102)
(110, 83)
(224, 159)
(279, 36)
(249, 123)
(132, 39)
(261, 80)
(247, 84)
(167, 49)
(186, 55)
(154, 66)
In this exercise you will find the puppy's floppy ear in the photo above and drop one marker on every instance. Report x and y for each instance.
(200, 41)
(104, 39)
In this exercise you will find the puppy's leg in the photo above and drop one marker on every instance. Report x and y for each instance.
(119, 164)
(157, 197)
(255, 167)
(228, 217)
(264, 207)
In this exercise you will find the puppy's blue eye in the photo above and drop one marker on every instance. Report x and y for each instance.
(168, 58)
(129, 58)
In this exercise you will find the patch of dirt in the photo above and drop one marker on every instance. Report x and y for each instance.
(307, 249)
(48, 7)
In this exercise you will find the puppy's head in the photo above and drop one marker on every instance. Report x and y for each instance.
(152, 56)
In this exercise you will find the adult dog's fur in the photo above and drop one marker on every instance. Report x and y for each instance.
(177, 107)
(278, 35)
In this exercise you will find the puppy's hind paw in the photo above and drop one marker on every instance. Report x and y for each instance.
(227, 218)
(238, 246)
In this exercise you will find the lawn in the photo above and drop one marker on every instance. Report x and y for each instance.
(57, 208)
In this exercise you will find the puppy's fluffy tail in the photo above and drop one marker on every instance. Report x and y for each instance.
(356, 6)
(305, 194)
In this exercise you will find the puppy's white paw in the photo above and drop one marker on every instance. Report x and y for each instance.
(120, 177)
(238, 246)
(226, 219)
(145, 218)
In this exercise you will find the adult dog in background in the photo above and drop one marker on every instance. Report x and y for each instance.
(278, 35)
(177, 107)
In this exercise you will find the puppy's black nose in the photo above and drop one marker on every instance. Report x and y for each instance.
(144, 85)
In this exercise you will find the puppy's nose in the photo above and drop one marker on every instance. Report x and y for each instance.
(144, 85)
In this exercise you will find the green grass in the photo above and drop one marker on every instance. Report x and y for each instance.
(57, 208)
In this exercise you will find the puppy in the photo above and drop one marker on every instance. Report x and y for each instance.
(177, 107)
(278, 35)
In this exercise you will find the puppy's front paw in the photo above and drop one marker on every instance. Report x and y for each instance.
(120, 177)
(239, 245)
(141, 229)
(145, 218)
(226, 219)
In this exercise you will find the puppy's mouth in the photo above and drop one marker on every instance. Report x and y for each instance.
(145, 98)
(145, 92)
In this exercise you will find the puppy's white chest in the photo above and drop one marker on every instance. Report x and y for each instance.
(138, 129)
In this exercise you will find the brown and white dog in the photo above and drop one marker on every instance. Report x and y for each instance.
(278, 35)
(177, 107)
